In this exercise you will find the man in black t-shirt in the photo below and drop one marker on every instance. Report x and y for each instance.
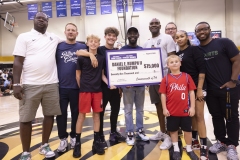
(222, 69)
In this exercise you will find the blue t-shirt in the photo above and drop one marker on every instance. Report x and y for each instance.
(66, 60)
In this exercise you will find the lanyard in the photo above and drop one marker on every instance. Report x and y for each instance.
(228, 107)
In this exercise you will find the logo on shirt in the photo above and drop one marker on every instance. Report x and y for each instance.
(210, 55)
(175, 86)
(69, 56)
(181, 56)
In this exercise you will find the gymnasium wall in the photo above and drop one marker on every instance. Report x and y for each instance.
(186, 16)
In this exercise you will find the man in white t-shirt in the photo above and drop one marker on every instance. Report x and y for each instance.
(171, 29)
(34, 54)
(167, 45)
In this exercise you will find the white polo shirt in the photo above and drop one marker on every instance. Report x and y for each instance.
(39, 66)
(167, 45)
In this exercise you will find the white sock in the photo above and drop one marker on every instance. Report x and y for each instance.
(189, 148)
(175, 147)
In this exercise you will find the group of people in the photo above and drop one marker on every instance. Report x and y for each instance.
(57, 72)
(6, 77)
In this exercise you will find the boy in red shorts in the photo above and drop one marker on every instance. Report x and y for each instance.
(90, 94)
(176, 89)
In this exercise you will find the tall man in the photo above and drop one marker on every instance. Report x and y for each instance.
(35, 59)
(167, 45)
(66, 59)
(222, 69)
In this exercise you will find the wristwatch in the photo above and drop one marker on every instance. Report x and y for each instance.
(235, 81)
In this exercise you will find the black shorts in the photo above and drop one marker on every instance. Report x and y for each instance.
(174, 122)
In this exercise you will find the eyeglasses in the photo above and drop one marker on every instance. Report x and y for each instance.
(205, 29)
(169, 29)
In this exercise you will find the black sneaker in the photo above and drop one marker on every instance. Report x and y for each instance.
(103, 143)
(192, 155)
(116, 137)
(203, 153)
(97, 148)
(77, 150)
(176, 156)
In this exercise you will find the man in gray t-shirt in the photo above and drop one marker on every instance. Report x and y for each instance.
(167, 45)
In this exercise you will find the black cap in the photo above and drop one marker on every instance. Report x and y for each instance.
(133, 29)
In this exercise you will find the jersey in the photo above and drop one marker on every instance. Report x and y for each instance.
(176, 88)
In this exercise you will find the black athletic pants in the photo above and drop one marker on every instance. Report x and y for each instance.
(113, 97)
(67, 96)
(216, 102)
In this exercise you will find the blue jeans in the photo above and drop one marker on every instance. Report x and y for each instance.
(133, 95)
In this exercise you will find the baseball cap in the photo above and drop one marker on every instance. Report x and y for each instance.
(132, 28)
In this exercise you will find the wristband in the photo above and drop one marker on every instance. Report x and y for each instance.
(16, 84)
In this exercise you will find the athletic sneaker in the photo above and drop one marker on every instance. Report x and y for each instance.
(130, 139)
(77, 150)
(46, 150)
(72, 142)
(25, 156)
(218, 147)
(158, 136)
(176, 156)
(63, 145)
(192, 155)
(167, 142)
(116, 137)
(141, 135)
(203, 153)
(232, 153)
(103, 142)
(195, 145)
(97, 148)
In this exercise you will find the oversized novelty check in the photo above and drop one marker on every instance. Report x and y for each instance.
(134, 67)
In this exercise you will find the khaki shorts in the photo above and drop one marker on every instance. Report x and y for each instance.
(47, 95)
(154, 94)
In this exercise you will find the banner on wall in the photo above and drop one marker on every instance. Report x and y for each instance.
(216, 34)
(47, 8)
(75, 7)
(195, 42)
(90, 7)
(119, 5)
(106, 6)
(32, 11)
(61, 8)
(138, 5)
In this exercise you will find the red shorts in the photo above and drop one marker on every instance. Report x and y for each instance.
(88, 100)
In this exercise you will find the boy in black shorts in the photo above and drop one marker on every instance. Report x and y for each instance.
(175, 89)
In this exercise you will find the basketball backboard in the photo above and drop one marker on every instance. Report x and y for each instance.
(9, 22)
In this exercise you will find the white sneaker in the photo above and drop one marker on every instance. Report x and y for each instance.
(141, 135)
(72, 142)
(158, 136)
(63, 145)
(167, 142)
(130, 139)
(25, 156)
(46, 150)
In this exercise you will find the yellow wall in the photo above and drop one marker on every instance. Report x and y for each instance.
(6, 58)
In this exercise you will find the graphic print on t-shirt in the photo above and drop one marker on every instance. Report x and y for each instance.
(69, 56)
(176, 88)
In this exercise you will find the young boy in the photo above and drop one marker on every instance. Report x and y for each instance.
(176, 89)
(89, 81)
